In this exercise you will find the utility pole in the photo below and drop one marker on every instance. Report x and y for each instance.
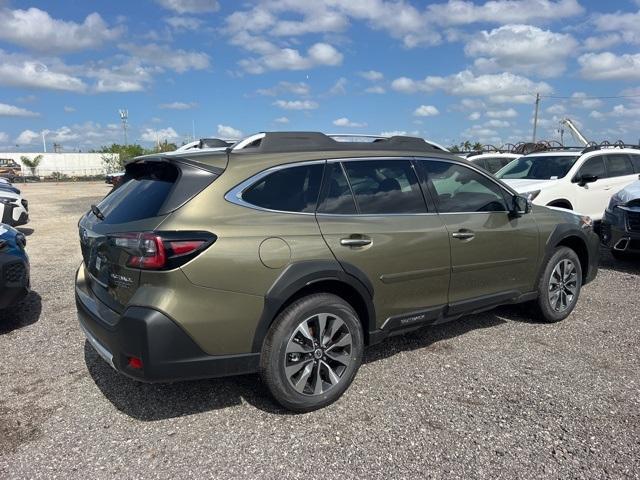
(124, 117)
(44, 143)
(535, 117)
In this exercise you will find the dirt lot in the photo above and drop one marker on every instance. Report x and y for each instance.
(491, 396)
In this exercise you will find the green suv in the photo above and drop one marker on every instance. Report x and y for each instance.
(289, 252)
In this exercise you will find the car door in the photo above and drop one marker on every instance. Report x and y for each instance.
(494, 254)
(591, 198)
(620, 172)
(374, 218)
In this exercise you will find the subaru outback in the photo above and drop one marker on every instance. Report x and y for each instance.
(288, 253)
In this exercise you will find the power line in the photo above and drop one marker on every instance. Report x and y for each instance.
(590, 98)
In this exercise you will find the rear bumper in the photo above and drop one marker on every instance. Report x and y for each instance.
(167, 352)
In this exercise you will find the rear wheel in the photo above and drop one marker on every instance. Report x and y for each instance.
(312, 352)
(559, 287)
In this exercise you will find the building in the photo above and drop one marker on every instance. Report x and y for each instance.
(69, 164)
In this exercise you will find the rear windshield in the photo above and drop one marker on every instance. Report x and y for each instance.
(144, 191)
(544, 167)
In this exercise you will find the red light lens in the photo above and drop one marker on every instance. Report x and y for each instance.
(185, 247)
(135, 362)
(149, 252)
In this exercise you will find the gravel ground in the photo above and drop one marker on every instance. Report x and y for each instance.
(490, 396)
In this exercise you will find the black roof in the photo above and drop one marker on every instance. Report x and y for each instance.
(282, 142)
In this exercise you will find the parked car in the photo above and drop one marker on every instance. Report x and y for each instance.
(9, 169)
(621, 222)
(576, 179)
(14, 210)
(14, 266)
(492, 161)
(291, 252)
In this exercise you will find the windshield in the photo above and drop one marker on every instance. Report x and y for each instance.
(543, 167)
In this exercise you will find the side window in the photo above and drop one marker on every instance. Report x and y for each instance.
(293, 189)
(493, 164)
(635, 159)
(619, 165)
(338, 199)
(593, 166)
(385, 186)
(460, 189)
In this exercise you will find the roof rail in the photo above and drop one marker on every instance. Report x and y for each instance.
(607, 145)
(282, 142)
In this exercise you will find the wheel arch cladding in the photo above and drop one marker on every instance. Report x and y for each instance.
(569, 236)
(304, 278)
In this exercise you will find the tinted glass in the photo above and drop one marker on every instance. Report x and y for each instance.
(635, 159)
(337, 197)
(493, 164)
(543, 167)
(141, 196)
(460, 189)
(293, 189)
(385, 187)
(619, 165)
(594, 166)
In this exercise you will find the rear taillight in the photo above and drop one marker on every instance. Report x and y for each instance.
(162, 250)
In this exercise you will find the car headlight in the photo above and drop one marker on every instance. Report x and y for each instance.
(6, 200)
(615, 202)
(531, 195)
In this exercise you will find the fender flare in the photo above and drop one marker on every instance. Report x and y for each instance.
(299, 275)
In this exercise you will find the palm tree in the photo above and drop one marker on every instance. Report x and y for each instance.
(477, 147)
(31, 164)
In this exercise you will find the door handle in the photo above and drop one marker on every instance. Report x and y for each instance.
(355, 242)
(463, 235)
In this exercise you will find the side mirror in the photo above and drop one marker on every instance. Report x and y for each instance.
(521, 206)
(584, 179)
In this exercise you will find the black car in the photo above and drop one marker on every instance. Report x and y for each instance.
(14, 266)
(620, 230)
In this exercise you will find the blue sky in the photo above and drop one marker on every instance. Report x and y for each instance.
(446, 70)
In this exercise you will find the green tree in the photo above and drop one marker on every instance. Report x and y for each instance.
(116, 155)
(454, 149)
(477, 147)
(32, 164)
(166, 147)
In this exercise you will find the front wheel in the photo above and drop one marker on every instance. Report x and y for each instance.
(559, 287)
(312, 352)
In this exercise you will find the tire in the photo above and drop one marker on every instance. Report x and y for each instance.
(290, 362)
(551, 307)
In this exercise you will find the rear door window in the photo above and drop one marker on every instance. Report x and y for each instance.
(635, 159)
(619, 165)
(337, 196)
(385, 187)
(292, 189)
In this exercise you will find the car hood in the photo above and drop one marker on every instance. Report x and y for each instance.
(525, 185)
(630, 192)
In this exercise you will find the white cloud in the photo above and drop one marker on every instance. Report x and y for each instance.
(7, 110)
(282, 120)
(624, 25)
(609, 66)
(4, 137)
(69, 109)
(580, 99)
(377, 89)
(461, 12)
(164, 56)
(296, 104)
(507, 113)
(473, 116)
(225, 131)
(601, 42)
(178, 105)
(23, 72)
(190, 6)
(481, 133)
(499, 88)
(339, 88)
(36, 30)
(372, 75)
(557, 109)
(345, 122)
(494, 123)
(28, 137)
(128, 77)
(393, 133)
(158, 136)
(295, 88)
(184, 23)
(522, 48)
(426, 111)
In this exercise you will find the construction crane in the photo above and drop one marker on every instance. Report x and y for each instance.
(577, 134)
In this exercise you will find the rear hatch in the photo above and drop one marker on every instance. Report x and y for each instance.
(119, 236)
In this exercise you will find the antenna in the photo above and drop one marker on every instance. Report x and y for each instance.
(124, 118)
